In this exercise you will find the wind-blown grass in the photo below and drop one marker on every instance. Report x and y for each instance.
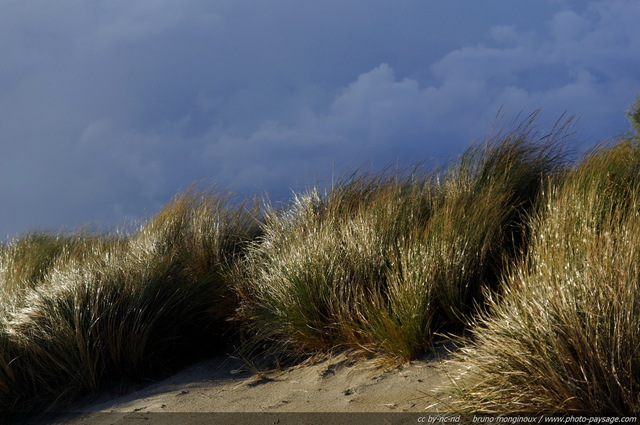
(26, 261)
(537, 258)
(564, 337)
(382, 262)
(86, 310)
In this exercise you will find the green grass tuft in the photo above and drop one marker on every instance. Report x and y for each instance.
(88, 310)
(563, 338)
(382, 262)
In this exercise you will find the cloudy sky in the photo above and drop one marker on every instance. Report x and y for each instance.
(109, 108)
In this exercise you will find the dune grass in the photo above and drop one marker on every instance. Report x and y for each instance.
(84, 310)
(564, 336)
(383, 262)
(535, 257)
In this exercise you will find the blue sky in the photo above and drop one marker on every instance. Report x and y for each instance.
(108, 109)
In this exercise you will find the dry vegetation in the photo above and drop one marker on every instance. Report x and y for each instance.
(536, 258)
(565, 335)
(82, 310)
(383, 262)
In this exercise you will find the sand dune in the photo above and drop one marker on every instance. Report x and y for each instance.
(205, 392)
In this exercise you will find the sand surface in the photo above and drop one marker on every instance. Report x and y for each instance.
(337, 383)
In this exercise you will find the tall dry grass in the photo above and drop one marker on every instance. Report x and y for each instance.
(564, 336)
(538, 258)
(83, 311)
(382, 262)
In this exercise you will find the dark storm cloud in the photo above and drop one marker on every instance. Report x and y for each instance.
(576, 64)
(108, 108)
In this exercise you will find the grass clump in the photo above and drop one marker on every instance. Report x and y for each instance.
(564, 336)
(383, 262)
(26, 261)
(88, 310)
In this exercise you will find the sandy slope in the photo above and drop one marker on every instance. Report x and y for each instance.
(340, 383)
